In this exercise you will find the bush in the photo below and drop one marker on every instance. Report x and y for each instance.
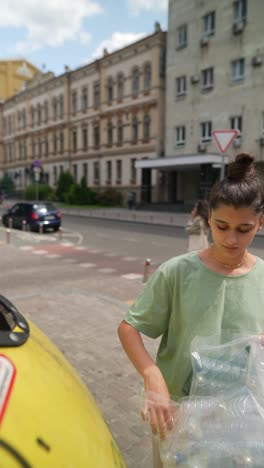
(45, 192)
(7, 184)
(64, 184)
(110, 197)
(80, 195)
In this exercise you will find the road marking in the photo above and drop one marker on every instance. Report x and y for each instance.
(95, 251)
(80, 247)
(129, 259)
(26, 247)
(67, 244)
(39, 252)
(87, 265)
(106, 270)
(133, 276)
(53, 256)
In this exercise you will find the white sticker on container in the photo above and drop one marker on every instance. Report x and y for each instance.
(7, 378)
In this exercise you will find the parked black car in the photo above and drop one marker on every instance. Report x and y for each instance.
(35, 214)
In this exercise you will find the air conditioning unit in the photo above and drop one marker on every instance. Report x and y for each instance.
(261, 141)
(256, 61)
(204, 41)
(238, 27)
(195, 79)
(201, 148)
(237, 143)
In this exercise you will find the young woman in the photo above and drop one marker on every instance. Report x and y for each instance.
(198, 227)
(200, 293)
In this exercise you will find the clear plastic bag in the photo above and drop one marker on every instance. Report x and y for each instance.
(221, 423)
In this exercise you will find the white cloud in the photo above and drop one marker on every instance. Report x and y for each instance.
(155, 5)
(117, 41)
(48, 22)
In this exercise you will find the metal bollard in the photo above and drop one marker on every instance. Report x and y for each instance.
(146, 270)
(8, 231)
(60, 232)
(41, 228)
(10, 223)
(24, 225)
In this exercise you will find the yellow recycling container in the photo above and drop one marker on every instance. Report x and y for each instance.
(48, 418)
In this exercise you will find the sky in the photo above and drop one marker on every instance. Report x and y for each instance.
(53, 33)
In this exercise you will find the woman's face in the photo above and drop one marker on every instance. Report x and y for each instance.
(233, 229)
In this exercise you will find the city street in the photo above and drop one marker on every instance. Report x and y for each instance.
(77, 290)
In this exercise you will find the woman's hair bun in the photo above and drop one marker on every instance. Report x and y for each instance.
(242, 167)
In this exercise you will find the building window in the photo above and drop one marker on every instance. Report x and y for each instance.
(135, 81)
(32, 111)
(96, 169)
(109, 172)
(54, 175)
(96, 132)
(182, 36)
(120, 86)
(110, 90)
(84, 138)
(85, 172)
(239, 10)
(61, 142)
(206, 131)
(109, 133)
(147, 77)
(75, 173)
(209, 24)
(54, 104)
(180, 136)
(181, 86)
(96, 95)
(146, 127)
(120, 132)
(133, 170)
(46, 111)
(84, 99)
(46, 147)
(134, 130)
(61, 103)
(208, 78)
(236, 123)
(39, 114)
(54, 143)
(74, 141)
(238, 70)
(74, 102)
(118, 171)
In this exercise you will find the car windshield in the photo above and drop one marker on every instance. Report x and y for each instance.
(44, 208)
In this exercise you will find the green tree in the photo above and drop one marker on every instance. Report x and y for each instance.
(7, 184)
(45, 192)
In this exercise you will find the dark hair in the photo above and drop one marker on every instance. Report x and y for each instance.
(241, 186)
(202, 209)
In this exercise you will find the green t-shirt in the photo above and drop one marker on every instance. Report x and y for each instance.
(184, 298)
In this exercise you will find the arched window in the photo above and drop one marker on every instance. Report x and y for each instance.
(134, 129)
(147, 77)
(146, 127)
(135, 81)
(120, 86)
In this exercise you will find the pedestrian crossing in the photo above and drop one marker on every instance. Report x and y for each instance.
(103, 262)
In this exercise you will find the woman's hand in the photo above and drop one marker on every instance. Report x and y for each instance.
(157, 405)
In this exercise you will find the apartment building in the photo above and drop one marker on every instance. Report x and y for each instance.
(14, 75)
(95, 121)
(215, 73)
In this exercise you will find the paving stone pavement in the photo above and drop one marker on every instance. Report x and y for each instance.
(80, 312)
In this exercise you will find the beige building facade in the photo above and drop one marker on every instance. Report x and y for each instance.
(215, 79)
(96, 121)
(14, 76)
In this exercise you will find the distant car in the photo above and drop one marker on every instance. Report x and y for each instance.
(34, 214)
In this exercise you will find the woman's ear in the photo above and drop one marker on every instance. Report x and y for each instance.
(261, 222)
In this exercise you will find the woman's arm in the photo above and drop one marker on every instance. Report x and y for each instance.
(154, 383)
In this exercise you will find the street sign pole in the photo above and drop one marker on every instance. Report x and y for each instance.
(223, 139)
(36, 171)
